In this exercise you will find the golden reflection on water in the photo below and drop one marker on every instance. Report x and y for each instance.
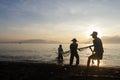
(95, 63)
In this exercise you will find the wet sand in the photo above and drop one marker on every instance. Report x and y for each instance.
(45, 71)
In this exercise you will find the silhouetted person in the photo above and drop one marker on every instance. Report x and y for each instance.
(74, 53)
(60, 51)
(98, 50)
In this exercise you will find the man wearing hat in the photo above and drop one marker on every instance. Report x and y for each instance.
(73, 50)
(98, 49)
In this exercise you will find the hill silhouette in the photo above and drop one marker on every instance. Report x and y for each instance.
(38, 41)
(113, 39)
(31, 41)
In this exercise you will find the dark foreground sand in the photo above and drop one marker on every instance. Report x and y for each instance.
(44, 71)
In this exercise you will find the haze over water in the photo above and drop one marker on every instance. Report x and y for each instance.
(47, 53)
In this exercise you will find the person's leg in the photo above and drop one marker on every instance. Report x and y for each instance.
(61, 57)
(88, 62)
(98, 63)
(77, 59)
(89, 59)
(92, 61)
(71, 59)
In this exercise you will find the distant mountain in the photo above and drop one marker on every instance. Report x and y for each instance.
(113, 39)
(107, 39)
(37, 41)
(31, 41)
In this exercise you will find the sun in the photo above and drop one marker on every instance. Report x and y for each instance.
(92, 28)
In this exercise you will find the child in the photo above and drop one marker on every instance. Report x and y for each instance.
(60, 51)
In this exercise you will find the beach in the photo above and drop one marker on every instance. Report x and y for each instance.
(11, 70)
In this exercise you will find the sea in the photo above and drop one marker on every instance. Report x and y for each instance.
(47, 53)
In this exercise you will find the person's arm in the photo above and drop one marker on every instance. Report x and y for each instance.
(91, 49)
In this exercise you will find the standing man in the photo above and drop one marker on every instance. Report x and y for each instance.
(98, 49)
(74, 53)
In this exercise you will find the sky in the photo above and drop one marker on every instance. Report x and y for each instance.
(59, 20)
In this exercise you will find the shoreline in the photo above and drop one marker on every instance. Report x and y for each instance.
(10, 70)
(50, 62)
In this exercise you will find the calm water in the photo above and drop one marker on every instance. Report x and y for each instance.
(47, 53)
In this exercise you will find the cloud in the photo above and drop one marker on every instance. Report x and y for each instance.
(57, 10)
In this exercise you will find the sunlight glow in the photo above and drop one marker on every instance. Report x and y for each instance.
(92, 28)
(95, 62)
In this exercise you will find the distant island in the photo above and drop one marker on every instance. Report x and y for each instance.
(113, 39)
(38, 41)
(106, 40)
(31, 41)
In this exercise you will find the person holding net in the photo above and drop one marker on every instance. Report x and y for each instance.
(73, 51)
(97, 51)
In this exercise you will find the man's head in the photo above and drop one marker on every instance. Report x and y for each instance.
(74, 40)
(94, 34)
(60, 45)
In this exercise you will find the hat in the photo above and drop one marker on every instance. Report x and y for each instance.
(74, 40)
(94, 33)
